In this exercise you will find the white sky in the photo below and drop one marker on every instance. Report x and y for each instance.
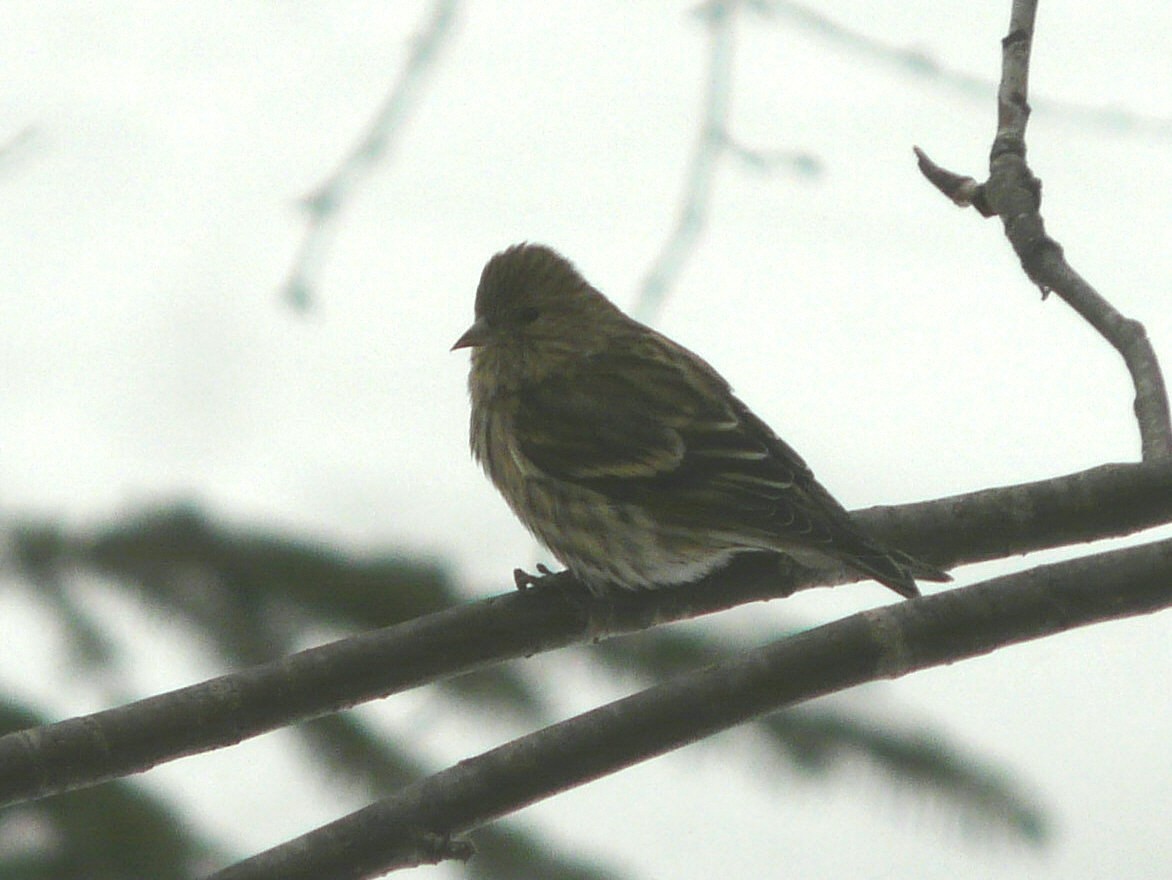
(150, 220)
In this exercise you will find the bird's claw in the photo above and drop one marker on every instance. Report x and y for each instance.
(524, 580)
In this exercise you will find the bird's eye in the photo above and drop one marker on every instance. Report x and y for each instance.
(527, 316)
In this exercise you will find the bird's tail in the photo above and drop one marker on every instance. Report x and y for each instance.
(917, 568)
(895, 569)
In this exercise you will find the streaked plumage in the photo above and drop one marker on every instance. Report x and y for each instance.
(627, 455)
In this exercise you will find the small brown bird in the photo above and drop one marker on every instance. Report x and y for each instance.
(628, 455)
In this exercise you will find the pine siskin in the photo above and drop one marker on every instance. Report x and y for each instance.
(626, 454)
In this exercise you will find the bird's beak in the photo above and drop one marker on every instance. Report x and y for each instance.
(474, 336)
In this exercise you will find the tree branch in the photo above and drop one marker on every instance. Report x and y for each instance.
(887, 642)
(323, 204)
(1014, 194)
(1103, 502)
(714, 142)
(916, 62)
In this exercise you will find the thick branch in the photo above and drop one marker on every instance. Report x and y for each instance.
(1014, 194)
(885, 643)
(994, 523)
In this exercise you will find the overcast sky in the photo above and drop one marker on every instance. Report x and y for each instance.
(148, 196)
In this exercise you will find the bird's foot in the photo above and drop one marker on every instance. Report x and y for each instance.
(524, 580)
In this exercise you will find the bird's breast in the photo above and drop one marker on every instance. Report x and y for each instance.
(493, 440)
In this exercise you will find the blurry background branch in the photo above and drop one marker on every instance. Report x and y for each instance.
(714, 140)
(918, 63)
(324, 204)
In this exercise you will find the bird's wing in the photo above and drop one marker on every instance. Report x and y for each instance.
(669, 434)
(605, 420)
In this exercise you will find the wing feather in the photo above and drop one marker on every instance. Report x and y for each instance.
(661, 432)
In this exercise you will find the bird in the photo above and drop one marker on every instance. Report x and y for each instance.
(627, 455)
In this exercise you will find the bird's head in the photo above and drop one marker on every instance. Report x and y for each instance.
(534, 310)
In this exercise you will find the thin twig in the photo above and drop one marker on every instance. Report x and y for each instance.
(994, 523)
(714, 142)
(885, 643)
(1014, 194)
(327, 199)
(693, 215)
(918, 63)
